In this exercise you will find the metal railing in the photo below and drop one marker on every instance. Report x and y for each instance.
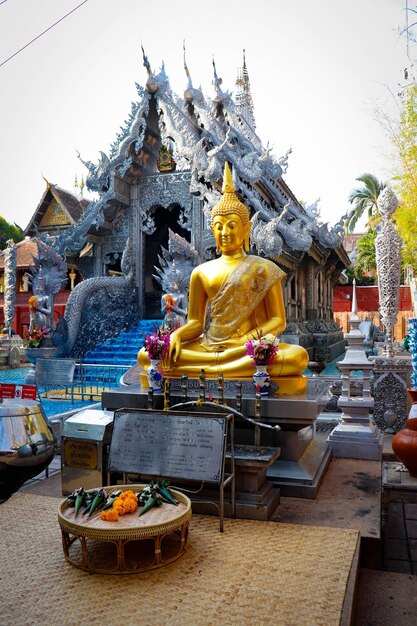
(90, 380)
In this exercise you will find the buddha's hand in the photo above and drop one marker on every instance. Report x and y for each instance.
(174, 347)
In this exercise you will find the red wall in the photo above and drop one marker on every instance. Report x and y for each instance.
(367, 299)
(21, 317)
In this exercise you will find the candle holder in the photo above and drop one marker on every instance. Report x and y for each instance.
(202, 386)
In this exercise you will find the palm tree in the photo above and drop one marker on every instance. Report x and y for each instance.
(364, 199)
(366, 259)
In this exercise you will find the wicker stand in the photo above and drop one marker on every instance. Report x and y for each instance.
(131, 545)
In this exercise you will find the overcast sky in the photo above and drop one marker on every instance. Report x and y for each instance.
(318, 70)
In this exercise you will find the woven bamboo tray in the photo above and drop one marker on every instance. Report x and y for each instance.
(132, 544)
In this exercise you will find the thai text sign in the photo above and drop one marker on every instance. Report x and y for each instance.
(18, 392)
(80, 454)
(168, 444)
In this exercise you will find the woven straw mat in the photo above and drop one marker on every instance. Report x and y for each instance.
(258, 573)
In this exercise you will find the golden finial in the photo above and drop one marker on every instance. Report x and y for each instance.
(75, 182)
(229, 202)
(82, 185)
(228, 186)
(48, 184)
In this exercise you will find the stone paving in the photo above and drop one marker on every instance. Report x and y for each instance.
(53, 468)
(400, 538)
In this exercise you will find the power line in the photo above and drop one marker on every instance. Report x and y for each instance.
(3, 1)
(42, 33)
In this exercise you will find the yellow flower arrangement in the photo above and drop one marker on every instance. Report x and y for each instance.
(109, 516)
(169, 302)
(127, 502)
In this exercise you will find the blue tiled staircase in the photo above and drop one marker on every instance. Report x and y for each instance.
(123, 349)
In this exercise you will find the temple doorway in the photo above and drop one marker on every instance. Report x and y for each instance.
(165, 219)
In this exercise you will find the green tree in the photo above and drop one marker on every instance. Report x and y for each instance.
(9, 231)
(366, 258)
(405, 183)
(363, 200)
(365, 262)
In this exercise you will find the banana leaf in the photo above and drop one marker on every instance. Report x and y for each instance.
(97, 500)
(148, 505)
(111, 498)
(167, 495)
(79, 500)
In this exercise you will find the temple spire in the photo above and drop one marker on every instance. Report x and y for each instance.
(187, 71)
(244, 96)
(146, 62)
(216, 80)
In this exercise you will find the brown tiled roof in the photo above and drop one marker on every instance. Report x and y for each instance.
(69, 201)
(25, 251)
(73, 205)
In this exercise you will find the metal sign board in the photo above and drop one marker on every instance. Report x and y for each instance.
(168, 444)
(55, 372)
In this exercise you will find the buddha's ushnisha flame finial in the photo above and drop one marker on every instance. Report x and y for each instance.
(228, 186)
(229, 202)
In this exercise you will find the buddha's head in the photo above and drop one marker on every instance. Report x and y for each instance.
(230, 222)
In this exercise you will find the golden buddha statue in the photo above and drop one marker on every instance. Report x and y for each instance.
(245, 296)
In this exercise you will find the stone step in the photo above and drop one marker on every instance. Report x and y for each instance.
(123, 349)
(109, 361)
(116, 349)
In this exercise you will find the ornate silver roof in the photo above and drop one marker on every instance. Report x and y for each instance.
(204, 132)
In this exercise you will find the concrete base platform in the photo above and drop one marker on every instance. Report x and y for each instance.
(256, 497)
(303, 460)
(302, 478)
(260, 506)
(356, 441)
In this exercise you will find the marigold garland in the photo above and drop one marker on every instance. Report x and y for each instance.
(169, 302)
(127, 502)
(33, 302)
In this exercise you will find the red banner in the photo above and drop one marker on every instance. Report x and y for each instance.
(18, 392)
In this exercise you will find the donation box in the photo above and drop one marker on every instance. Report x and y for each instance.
(84, 450)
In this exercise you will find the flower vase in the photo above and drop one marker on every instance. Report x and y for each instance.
(261, 379)
(154, 376)
(404, 443)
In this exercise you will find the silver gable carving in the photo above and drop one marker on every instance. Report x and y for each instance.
(164, 190)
